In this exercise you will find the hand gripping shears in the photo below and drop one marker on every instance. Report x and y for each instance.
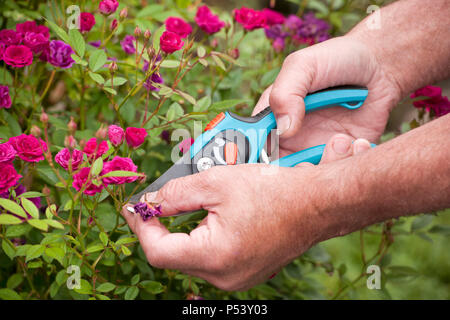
(231, 139)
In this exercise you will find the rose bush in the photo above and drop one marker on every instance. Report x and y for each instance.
(88, 105)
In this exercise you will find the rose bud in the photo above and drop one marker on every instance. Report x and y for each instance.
(44, 118)
(82, 144)
(113, 67)
(137, 32)
(72, 126)
(35, 131)
(214, 43)
(147, 34)
(234, 53)
(70, 142)
(101, 133)
(116, 135)
(46, 191)
(123, 13)
(113, 25)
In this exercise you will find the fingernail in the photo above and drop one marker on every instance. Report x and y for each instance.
(341, 145)
(151, 196)
(361, 145)
(283, 124)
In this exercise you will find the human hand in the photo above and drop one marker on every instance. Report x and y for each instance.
(339, 61)
(230, 248)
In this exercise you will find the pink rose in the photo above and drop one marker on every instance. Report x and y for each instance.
(207, 21)
(178, 26)
(250, 19)
(64, 156)
(118, 163)
(273, 17)
(18, 56)
(94, 150)
(7, 152)
(116, 135)
(170, 42)
(37, 42)
(10, 37)
(31, 26)
(8, 176)
(28, 147)
(80, 180)
(87, 21)
(135, 136)
(5, 98)
(107, 7)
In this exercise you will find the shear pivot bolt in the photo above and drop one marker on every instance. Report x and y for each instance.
(204, 164)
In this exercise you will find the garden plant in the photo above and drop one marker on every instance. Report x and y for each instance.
(96, 98)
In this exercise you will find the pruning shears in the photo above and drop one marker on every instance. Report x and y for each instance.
(230, 139)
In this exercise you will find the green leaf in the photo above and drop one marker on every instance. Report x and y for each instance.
(103, 238)
(421, 222)
(219, 62)
(34, 252)
(56, 253)
(17, 230)
(442, 229)
(153, 287)
(96, 77)
(188, 97)
(170, 64)
(110, 90)
(117, 81)
(94, 248)
(13, 207)
(39, 224)
(135, 279)
(54, 224)
(8, 249)
(97, 60)
(5, 77)
(76, 41)
(85, 287)
(150, 10)
(59, 31)
(202, 104)
(131, 293)
(175, 111)
(269, 77)
(30, 207)
(121, 173)
(14, 281)
(78, 60)
(30, 194)
(8, 294)
(97, 167)
(126, 251)
(226, 104)
(105, 287)
(102, 297)
(126, 240)
(9, 219)
(13, 125)
(201, 51)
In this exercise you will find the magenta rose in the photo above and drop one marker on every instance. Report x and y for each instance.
(7, 152)
(135, 136)
(273, 17)
(37, 42)
(28, 147)
(93, 149)
(31, 26)
(427, 91)
(2, 50)
(170, 42)
(116, 135)
(178, 26)
(87, 21)
(207, 21)
(5, 99)
(107, 7)
(116, 164)
(80, 180)
(18, 56)
(8, 176)
(64, 156)
(250, 19)
(10, 37)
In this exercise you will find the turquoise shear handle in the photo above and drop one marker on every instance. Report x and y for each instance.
(257, 128)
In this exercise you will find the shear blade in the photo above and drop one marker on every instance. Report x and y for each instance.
(181, 168)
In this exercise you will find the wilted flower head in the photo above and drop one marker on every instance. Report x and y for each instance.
(147, 210)
(154, 78)
(59, 54)
(128, 44)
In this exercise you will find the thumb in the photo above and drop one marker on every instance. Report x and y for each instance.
(183, 194)
(288, 91)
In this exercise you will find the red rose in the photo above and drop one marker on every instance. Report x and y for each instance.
(10, 37)
(170, 42)
(179, 26)
(207, 21)
(118, 163)
(273, 17)
(28, 147)
(93, 149)
(250, 19)
(135, 136)
(87, 21)
(80, 181)
(31, 26)
(8, 176)
(37, 42)
(18, 56)
(65, 155)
